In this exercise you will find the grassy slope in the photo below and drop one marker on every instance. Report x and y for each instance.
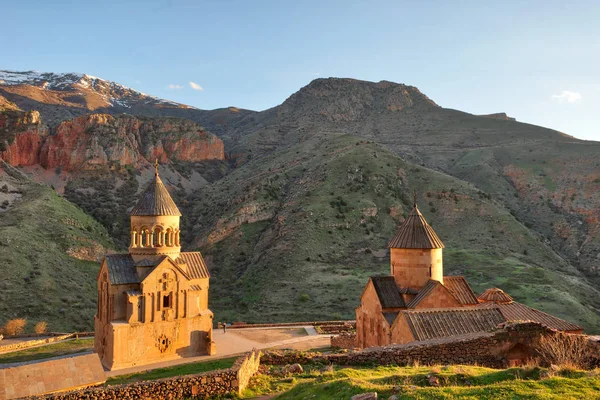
(48, 351)
(40, 281)
(306, 227)
(458, 381)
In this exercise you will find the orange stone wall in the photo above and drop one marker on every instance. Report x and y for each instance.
(371, 327)
(440, 297)
(412, 267)
(401, 332)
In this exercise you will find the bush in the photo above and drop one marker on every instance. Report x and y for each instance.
(15, 326)
(40, 327)
(565, 350)
(304, 297)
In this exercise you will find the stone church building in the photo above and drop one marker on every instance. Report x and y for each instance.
(153, 301)
(417, 302)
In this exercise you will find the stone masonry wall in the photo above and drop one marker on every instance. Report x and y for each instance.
(488, 349)
(344, 340)
(213, 383)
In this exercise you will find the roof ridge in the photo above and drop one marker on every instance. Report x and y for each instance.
(415, 233)
(156, 200)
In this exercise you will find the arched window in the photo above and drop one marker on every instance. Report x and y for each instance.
(157, 239)
(169, 237)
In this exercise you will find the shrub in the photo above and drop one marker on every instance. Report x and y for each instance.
(304, 297)
(40, 327)
(15, 326)
(565, 350)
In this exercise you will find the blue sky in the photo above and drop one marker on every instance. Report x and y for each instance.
(538, 61)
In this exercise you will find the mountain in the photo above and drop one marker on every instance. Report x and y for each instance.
(60, 97)
(297, 218)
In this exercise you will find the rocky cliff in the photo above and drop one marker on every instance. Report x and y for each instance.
(97, 140)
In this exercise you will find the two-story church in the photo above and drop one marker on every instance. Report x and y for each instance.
(417, 302)
(153, 301)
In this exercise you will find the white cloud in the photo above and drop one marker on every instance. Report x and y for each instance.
(195, 86)
(566, 96)
(174, 87)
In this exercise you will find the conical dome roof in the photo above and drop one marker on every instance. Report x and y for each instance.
(495, 295)
(156, 200)
(415, 233)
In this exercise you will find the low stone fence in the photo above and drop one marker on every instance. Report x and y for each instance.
(213, 383)
(491, 349)
(32, 343)
(237, 325)
(344, 341)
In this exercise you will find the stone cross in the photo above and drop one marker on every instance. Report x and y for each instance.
(166, 281)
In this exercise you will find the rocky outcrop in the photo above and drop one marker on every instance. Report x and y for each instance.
(97, 140)
(21, 137)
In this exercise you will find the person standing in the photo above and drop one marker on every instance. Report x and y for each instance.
(224, 327)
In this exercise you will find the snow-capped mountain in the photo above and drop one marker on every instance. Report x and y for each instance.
(113, 93)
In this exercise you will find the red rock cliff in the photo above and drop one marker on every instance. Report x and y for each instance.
(21, 137)
(96, 140)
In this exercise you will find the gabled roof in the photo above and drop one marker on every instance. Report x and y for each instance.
(415, 233)
(387, 292)
(390, 317)
(121, 269)
(520, 312)
(495, 295)
(460, 289)
(424, 292)
(443, 322)
(156, 200)
(196, 267)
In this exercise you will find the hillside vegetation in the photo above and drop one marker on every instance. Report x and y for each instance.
(49, 251)
(297, 218)
(295, 235)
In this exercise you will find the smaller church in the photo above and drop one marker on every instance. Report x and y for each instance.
(153, 301)
(417, 302)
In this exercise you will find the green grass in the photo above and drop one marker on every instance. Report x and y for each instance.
(51, 350)
(179, 370)
(465, 382)
(40, 280)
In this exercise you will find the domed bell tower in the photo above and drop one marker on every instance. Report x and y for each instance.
(155, 224)
(416, 252)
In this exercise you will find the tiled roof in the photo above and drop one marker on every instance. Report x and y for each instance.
(196, 267)
(443, 322)
(495, 295)
(460, 289)
(121, 269)
(520, 312)
(415, 233)
(407, 290)
(133, 292)
(387, 291)
(195, 287)
(423, 293)
(390, 317)
(156, 200)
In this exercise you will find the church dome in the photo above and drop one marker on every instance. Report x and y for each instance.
(156, 200)
(495, 295)
(415, 233)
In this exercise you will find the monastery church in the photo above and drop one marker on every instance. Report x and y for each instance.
(417, 302)
(153, 301)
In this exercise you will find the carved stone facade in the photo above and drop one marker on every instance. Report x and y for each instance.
(417, 302)
(153, 301)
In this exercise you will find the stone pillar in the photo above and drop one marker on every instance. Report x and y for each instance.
(133, 238)
(151, 238)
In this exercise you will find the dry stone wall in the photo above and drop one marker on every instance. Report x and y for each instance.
(489, 349)
(344, 341)
(214, 383)
(36, 342)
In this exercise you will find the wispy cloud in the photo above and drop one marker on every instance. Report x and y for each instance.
(566, 96)
(195, 86)
(174, 87)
